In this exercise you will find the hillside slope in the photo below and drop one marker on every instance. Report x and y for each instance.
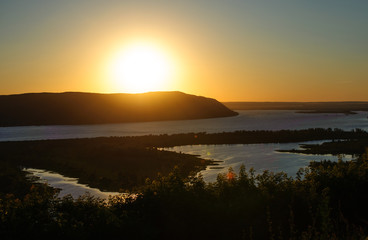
(93, 108)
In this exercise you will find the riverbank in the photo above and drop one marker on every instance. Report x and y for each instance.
(100, 163)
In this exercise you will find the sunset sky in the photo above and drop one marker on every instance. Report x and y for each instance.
(282, 50)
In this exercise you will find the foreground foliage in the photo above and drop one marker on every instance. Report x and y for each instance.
(326, 201)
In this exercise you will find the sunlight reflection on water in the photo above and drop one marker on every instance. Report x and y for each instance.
(246, 120)
(67, 185)
(259, 156)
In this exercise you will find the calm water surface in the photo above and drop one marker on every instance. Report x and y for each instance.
(246, 120)
(259, 156)
(67, 186)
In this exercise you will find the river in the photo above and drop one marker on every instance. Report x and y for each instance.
(259, 156)
(246, 120)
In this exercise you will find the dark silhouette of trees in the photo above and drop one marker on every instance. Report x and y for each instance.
(327, 201)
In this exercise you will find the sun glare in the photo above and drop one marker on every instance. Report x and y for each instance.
(141, 68)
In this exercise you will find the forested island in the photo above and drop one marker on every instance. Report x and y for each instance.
(73, 108)
(325, 201)
(351, 147)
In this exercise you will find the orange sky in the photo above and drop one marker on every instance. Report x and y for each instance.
(231, 51)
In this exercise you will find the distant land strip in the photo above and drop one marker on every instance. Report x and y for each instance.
(241, 137)
(199, 138)
(301, 107)
(75, 108)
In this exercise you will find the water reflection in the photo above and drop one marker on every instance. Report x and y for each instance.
(259, 156)
(67, 185)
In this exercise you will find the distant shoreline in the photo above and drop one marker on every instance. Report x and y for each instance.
(350, 146)
(301, 107)
(346, 112)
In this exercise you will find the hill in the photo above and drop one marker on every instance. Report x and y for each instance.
(93, 108)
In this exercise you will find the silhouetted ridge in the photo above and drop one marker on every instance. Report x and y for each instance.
(93, 108)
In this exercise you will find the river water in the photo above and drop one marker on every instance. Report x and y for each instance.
(259, 156)
(66, 185)
(246, 120)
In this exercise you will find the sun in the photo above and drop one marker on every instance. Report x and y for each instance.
(141, 68)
